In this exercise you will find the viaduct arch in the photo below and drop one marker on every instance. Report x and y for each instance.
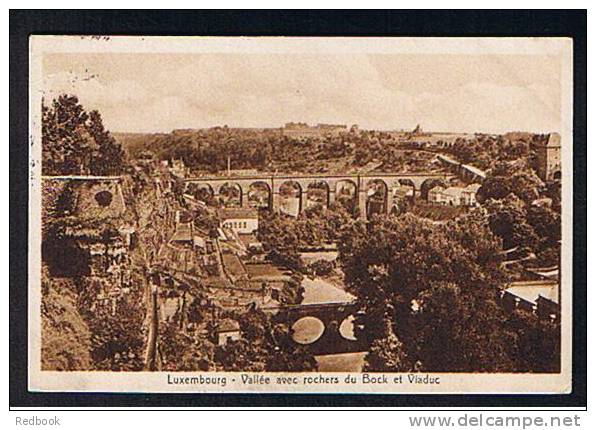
(362, 183)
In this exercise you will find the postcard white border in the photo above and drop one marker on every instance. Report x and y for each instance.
(145, 382)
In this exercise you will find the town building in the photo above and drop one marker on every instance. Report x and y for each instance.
(540, 297)
(239, 220)
(548, 158)
(301, 130)
(454, 196)
(178, 168)
(332, 129)
(183, 234)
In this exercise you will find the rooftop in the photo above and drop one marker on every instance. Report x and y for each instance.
(237, 213)
(183, 233)
(228, 325)
(266, 272)
(531, 290)
(198, 241)
(233, 265)
(247, 239)
(453, 191)
(473, 187)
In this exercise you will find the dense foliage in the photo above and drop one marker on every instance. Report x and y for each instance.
(265, 345)
(485, 151)
(316, 225)
(75, 141)
(270, 150)
(430, 291)
(523, 211)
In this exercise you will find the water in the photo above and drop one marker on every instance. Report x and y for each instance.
(308, 330)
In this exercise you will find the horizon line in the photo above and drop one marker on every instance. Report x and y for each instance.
(391, 130)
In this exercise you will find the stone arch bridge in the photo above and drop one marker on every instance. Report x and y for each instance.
(331, 315)
(360, 183)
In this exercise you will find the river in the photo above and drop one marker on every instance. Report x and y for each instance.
(309, 329)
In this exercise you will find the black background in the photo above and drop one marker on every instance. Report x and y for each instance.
(553, 23)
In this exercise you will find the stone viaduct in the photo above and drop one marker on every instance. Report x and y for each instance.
(361, 184)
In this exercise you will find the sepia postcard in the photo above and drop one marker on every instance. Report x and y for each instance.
(300, 215)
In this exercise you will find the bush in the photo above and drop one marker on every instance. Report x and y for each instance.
(321, 267)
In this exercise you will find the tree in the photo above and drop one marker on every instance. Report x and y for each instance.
(64, 138)
(526, 185)
(508, 220)
(321, 267)
(494, 187)
(183, 352)
(76, 142)
(537, 343)
(460, 332)
(117, 338)
(402, 269)
(387, 354)
(507, 178)
(264, 346)
(546, 224)
(108, 158)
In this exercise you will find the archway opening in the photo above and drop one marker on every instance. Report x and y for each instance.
(230, 195)
(201, 192)
(346, 328)
(103, 198)
(557, 175)
(289, 198)
(346, 195)
(376, 197)
(408, 185)
(317, 194)
(401, 196)
(429, 184)
(259, 195)
(307, 330)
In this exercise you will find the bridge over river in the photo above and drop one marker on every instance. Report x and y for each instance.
(323, 328)
(361, 183)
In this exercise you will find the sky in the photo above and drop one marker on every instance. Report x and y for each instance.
(141, 92)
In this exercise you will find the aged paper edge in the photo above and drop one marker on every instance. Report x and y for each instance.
(145, 382)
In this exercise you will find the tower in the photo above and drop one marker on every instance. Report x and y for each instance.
(549, 158)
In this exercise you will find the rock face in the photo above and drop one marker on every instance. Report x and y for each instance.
(83, 197)
(100, 199)
(86, 237)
